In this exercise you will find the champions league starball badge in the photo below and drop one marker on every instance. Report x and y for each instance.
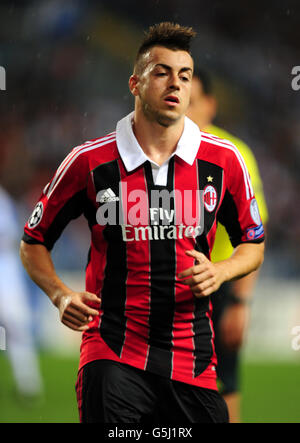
(258, 231)
(255, 212)
(36, 215)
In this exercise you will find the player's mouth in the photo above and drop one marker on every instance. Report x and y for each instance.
(172, 100)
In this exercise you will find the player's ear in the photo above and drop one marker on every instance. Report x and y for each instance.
(133, 84)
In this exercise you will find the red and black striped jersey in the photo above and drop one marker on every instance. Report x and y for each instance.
(141, 224)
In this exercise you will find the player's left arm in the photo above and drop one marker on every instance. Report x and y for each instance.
(205, 277)
(239, 214)
(235, 318)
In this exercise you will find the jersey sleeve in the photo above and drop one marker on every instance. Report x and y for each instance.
(239, 211)
(63, 199)
(256, 180)
(251, 164)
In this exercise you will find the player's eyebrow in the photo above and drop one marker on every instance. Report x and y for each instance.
(169, 68)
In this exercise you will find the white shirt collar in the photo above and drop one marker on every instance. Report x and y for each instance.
(133, 155)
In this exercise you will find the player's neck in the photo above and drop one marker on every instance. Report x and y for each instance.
(157, 141)
(203, 124)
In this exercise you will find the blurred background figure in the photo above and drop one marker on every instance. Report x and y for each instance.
(15, 310)
(231, 301)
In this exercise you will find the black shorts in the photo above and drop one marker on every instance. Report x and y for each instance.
(111, 392)
(228, 360)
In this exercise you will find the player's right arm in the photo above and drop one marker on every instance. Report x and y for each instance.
(73, 306)
(63, 199)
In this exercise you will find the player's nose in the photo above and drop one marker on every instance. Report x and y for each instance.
(174, 82)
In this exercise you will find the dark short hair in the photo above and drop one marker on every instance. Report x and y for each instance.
(170, 35)
(205, 80)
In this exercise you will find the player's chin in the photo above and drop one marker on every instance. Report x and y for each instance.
(168, 117)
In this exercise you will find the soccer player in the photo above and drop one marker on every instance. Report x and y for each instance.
(231, 301)
(147, 353)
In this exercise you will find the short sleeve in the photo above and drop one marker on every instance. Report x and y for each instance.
(239, 211)
(256, 180)
(63, 199)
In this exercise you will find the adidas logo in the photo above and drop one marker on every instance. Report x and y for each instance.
(108, 196)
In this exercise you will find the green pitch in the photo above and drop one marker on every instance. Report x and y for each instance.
(58, 404)
(271, 393)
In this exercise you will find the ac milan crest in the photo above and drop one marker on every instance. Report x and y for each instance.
(210, 198)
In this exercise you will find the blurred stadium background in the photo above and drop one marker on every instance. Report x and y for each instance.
(67, 67)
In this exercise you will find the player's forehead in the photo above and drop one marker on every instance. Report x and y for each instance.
(159, 56)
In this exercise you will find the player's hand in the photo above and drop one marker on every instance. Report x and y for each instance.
(233, 325)
(75, 311)
(204, 277)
